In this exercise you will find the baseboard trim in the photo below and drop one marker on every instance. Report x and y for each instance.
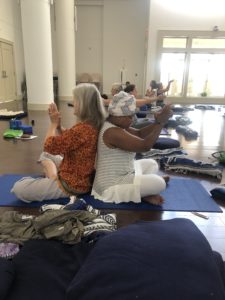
(65, 98)
(34, 106)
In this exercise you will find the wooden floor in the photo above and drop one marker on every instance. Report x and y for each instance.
(19, 157)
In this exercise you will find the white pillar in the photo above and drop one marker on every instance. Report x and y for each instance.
(36, 28)
(65, 41)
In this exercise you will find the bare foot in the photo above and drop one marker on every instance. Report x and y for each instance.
(166, 178)
(154, 199)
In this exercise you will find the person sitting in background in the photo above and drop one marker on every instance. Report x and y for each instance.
(69, 154)
(157, 89)
(127, 83)
(120, 178)
(141, 122)
(131, 89)
(116, 88)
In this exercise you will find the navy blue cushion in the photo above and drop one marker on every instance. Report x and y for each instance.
(160, 260)
(7, 275)
(218, 193)
(141, 114)
(44, 269)
(166, 143)
(187, 132)
(144, 107)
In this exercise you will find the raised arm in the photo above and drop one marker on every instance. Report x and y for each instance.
(149, 100)
(166, 89)
(161, 118)
(138, 140)
(55, 121)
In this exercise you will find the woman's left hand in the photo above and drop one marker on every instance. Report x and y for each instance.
(164, 114)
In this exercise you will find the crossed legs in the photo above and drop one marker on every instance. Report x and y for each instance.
(30, 189)
(151, 184)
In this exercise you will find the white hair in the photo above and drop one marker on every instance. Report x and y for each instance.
(91, 107)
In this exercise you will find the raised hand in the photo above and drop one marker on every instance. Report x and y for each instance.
(164, 114)
(54, 115)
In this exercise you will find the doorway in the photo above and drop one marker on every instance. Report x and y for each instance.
(7, 72)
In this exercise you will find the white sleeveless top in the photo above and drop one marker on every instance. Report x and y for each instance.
(115, 174)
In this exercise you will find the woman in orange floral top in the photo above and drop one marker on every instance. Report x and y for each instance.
(69, 154)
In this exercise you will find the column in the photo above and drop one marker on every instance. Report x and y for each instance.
(65, 41)
(36, 29)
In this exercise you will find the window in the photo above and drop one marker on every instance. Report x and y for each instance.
(195, 62)
(208, 43)
(206, 73)
(172, 67)
(174, 42)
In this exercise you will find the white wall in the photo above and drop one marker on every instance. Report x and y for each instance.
(199, 15)
(123, 36)
(89, 45)
(111, 36)
(10, 30)
(124, 41)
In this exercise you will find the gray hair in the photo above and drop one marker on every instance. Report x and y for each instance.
(91, 107)
(117, 87)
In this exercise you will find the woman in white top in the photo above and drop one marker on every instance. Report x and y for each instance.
(119, 178)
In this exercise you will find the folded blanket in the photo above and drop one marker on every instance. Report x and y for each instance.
(186, 165)
(204, 107)
(6, 115)
(158, 153)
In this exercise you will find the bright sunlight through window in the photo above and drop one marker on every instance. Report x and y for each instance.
(197, 67)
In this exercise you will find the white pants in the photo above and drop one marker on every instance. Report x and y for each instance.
(145, 174)
(146, 183)
(30, 189)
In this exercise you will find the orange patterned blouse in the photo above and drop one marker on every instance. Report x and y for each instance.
(78, 146)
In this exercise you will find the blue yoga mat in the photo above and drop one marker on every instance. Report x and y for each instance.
(181, 195)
